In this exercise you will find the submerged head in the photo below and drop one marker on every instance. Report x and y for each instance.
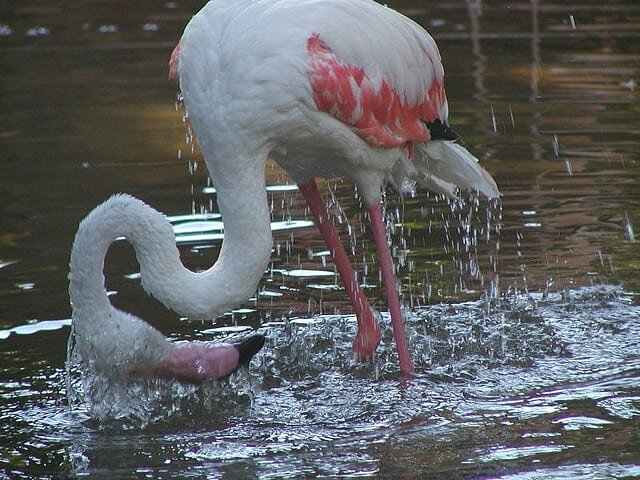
(196, 362)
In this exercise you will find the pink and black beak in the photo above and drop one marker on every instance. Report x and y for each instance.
(197, 362)
(248, 348)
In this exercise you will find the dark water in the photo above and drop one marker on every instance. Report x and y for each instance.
(523, 318)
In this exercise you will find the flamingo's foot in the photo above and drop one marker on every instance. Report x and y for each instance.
(368, 336)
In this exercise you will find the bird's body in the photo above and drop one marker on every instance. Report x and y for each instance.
(326, 88)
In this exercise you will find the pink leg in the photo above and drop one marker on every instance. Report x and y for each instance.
(389, 278)
(368, 336)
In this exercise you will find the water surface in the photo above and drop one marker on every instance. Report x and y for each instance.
(523, 317)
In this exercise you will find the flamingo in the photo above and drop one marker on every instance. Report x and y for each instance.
(326, 88)
(123, 346)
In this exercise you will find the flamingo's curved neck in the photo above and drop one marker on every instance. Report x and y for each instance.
(203, 295)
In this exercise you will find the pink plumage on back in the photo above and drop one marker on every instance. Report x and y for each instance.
(174, 62)
(378, 113)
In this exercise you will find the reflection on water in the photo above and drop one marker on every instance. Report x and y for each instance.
(517, 387)
(528, 363)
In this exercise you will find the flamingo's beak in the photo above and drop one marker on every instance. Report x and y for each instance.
(196, 362)
(248, 348)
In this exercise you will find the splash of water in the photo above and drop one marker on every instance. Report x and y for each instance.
(126, 404)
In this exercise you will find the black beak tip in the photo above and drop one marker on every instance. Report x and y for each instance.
(249, 347)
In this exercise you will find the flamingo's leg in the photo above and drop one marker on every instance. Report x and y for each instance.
(389, 279)
(368, 335)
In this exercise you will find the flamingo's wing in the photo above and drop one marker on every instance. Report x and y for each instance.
(387, 85)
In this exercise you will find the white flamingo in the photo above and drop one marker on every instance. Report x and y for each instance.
(326, 88)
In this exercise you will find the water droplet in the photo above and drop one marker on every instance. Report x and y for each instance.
(630, 84)
(494, 124)
(629, 229)
(555, 145)
(107, 28)
(38, 32)
(568, 167)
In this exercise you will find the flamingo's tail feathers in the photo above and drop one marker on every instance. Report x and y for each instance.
(445, 167)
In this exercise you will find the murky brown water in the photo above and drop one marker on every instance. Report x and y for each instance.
(525, 336)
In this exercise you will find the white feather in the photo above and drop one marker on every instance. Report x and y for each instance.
(444, 167)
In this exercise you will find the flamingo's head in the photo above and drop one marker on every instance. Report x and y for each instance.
(196, 362)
